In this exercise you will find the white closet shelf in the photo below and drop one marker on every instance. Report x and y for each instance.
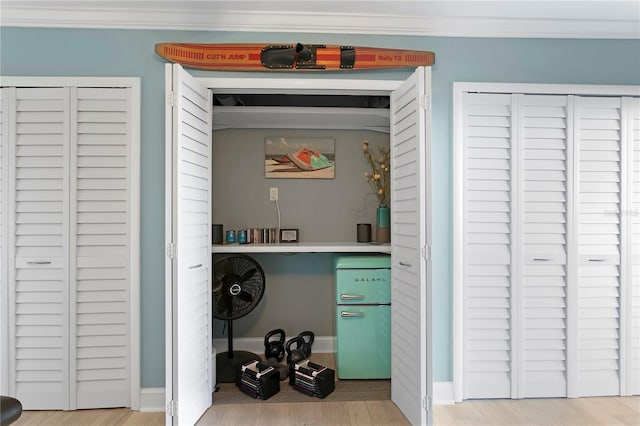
(330, 247)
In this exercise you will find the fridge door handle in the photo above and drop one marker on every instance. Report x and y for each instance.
(346, 314)
(351, 297)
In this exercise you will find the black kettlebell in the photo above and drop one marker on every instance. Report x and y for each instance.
(308, 337)
(297, 354)
(283, 370)
(274, 348)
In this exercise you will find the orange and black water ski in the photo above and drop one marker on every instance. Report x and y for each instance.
(289, 57)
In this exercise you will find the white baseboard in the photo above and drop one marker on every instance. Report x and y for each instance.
(321, 344)
(152, 399)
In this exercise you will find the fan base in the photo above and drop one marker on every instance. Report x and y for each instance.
(227, 368)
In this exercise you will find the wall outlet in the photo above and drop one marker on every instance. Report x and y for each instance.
(273, 194)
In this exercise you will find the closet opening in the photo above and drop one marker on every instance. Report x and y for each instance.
(299, 287)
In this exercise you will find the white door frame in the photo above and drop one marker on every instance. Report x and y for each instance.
(459, 88)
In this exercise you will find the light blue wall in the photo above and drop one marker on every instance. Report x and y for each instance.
(68, 52)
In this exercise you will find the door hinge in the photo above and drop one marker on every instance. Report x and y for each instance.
(426, 252)
(427, 403)
(171, 251)
(172, 408)
(171, 99)
(425, 102)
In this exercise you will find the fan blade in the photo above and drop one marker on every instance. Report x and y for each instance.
(252, 286)
(228, 267)
(220, 272)
(246, 296)
(217, 285)
(223, 306)
(247, 275)
(230, 307)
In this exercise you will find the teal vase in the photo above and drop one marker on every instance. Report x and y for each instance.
(383, 224)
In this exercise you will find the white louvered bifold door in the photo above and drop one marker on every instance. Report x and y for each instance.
(39, 249)
(543, 209)
(410, 335)
(69, 214)
(598, 148)
(190, 337)
(487, 247)
(551, 252)
(633, 253)
(515, 245)
(100, 235)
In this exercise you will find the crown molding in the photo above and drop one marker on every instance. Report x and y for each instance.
(138, 15)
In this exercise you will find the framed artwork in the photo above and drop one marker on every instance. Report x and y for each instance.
(289, 236)
(299, 158)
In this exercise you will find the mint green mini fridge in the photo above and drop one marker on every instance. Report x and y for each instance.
(363, 317)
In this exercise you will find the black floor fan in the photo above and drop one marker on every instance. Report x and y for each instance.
(238, 286)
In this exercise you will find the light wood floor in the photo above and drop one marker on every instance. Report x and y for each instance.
(112, 416)
(604, 411)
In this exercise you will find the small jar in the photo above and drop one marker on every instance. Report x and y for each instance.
(242, 236)
(231, 236)
(364, 233)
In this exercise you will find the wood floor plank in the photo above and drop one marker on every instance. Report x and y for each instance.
(239, 414)
(137, 418)
(276, 415)
(631, 401)
(606, 410)
(385, 413)
(31, 418)
(543, 411)
(462, 414)
(357, 412)
(311, 413)
(498, 411)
